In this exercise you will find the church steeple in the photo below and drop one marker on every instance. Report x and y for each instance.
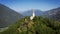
(33, 15)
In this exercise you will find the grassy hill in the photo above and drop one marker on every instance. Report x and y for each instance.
(39, 25)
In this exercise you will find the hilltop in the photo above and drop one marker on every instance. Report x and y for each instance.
(39, 25)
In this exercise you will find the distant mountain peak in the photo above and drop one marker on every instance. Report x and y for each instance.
(29, 12)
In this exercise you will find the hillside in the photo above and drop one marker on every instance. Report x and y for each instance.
(39, 25)
(8, 16)
(53, 14)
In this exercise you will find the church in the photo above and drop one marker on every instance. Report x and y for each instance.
(33, 15)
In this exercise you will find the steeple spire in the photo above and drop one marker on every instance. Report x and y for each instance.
(33, 15)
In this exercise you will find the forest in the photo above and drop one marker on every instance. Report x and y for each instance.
(39, 25)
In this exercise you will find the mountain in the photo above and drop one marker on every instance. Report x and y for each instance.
(29, 13)
(8, 16)
(54, 14)
(39, 25)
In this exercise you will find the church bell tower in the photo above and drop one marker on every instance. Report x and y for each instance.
(33, 15)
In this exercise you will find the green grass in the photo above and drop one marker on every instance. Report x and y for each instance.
(3, 29)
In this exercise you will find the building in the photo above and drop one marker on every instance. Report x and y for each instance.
(33, 15)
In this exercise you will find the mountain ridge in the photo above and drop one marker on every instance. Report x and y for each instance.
(29, 12)
(8, 16)
(53, 13)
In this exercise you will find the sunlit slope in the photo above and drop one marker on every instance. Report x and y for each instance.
(39, 25)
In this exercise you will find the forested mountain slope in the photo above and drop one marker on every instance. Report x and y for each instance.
(8, 16)
(39, 25)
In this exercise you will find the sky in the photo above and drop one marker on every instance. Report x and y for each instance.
(24, 5)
